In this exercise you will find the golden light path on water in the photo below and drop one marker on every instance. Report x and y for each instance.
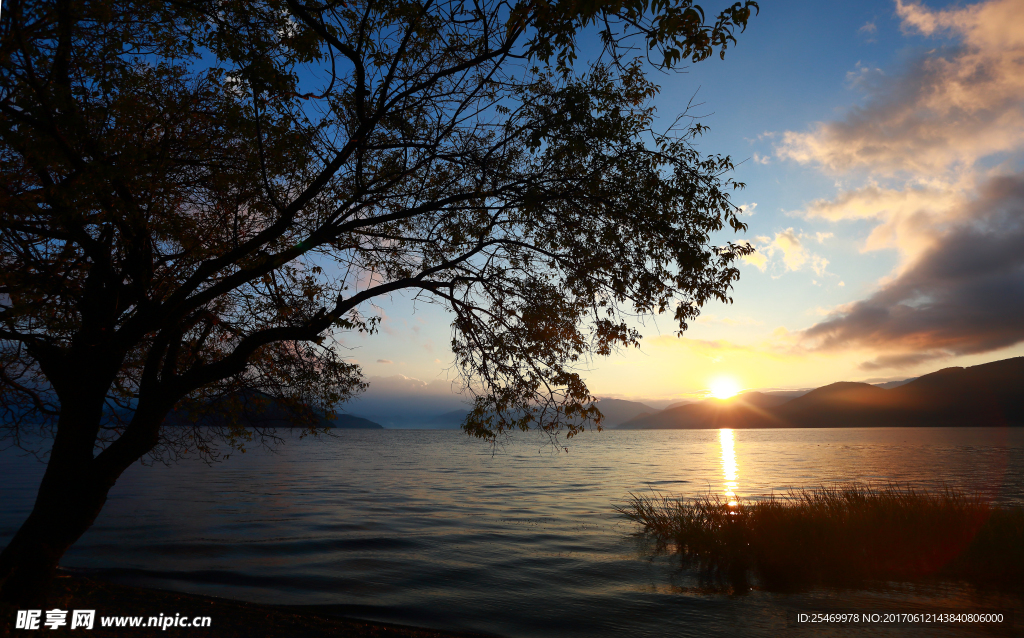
(728, 464)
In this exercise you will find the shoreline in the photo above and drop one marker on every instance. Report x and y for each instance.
(228, 617)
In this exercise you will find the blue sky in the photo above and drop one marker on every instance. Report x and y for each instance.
(882, 148)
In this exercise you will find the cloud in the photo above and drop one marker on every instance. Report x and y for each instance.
(793, 254)
(400, 384)
(900, 361)
(818, 264)
(963, 295)
(923, 146)
(910, 220)
(864, 77)
(994, 25)
(952, 107)
(788, 248)
(874, 202)
(869, 27)
(384, 361)
(757, 259)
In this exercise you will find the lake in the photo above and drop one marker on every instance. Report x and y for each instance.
(432, 528)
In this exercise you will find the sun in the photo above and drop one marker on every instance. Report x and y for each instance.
(724, 387)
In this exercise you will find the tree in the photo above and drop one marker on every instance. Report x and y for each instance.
(199, 199)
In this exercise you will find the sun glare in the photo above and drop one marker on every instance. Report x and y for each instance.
(729, 465)
(724, 387)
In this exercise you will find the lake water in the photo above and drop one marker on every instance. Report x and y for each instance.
(433, 528)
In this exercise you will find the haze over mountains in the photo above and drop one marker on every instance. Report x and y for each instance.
(616, 412)
(986, 395)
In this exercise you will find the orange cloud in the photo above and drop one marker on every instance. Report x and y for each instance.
(911, 219)
(949, 109)
(920, 141)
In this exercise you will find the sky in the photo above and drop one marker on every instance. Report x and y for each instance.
(882, 145)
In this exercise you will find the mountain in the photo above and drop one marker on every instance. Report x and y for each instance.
(618, 411)
(744, 410)
(677, 404)
(842, 404)
(349, 422)
(255, 408)
(893, 384)
(787, 394)
(991, 394)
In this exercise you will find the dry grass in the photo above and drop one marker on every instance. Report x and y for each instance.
(840, 535)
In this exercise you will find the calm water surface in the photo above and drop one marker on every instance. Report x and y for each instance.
(434, 528)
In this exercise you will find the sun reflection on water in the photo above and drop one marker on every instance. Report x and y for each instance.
(729, 464)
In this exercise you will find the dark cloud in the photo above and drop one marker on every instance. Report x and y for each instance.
(963, 296)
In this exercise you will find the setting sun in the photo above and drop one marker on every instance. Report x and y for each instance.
(724, 387)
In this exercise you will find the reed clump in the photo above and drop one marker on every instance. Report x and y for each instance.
(842, 535)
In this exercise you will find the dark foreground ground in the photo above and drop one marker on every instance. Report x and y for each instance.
(228, 617)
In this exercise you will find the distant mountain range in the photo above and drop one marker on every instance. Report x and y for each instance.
(984, 395)
(349, 422)
(262, 410)
(616, 412)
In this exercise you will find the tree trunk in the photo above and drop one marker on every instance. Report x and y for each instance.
(71, 495)
(68, 502)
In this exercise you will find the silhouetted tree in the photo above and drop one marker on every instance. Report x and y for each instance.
(199, 198)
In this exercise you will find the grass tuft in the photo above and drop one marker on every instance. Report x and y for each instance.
(842, 535)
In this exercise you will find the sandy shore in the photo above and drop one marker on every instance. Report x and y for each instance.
(228, 617)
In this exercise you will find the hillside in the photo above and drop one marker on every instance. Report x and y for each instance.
(746, 410)
(619, 411)
(991, 394)
(349, 422)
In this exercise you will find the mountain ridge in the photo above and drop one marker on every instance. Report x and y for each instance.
(982, 395)
(253, 408)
